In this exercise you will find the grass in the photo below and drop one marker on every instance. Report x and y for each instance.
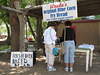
(5, 47)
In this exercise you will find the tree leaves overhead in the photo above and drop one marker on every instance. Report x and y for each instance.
(5, 2)
(4, 14)
(25, 3)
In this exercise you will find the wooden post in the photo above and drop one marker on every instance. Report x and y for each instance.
(22, 27)
(22, 32)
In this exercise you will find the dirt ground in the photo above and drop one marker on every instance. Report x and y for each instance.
(40, 67)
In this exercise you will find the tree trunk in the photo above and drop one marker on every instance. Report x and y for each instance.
(15, 29)
(39, 37)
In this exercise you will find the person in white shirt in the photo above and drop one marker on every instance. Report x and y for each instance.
(49, 41)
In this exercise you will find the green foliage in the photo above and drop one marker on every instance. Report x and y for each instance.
(5, 2)
(77, 18)
(49, 1)
(64, 0)
(97, 16)
(3, 29)
(5, 47)
(25, 3)
(33, 23)
(3, 14)
(44, 25)
(28, 32)
(2, 11)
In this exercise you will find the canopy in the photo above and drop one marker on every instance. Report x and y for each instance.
(85, 8)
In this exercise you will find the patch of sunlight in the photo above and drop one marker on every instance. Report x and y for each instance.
(26, 69)
(30, 74)
(40, 59)
(4, 63)
(41, 56)
(13, 69)
(12, 72)
(36, 73)
(18, 70)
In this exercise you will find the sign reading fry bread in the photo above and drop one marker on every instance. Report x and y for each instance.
(21, 59)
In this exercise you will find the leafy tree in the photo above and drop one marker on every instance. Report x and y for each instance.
(14, 22)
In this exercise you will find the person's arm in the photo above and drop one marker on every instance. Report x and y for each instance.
(53, 35)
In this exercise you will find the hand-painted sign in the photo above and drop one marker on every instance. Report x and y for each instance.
(60, 10)
(21, 59)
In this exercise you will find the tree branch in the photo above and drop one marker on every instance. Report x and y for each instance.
(3, 15)
(30, 27)
(11, 9)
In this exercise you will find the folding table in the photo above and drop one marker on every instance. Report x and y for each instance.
(87, 51)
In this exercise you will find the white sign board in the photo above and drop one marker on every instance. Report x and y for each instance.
(60, 10)
(21, 59)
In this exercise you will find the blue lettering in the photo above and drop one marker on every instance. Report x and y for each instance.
(44, 11)
(61, 9)
(52, 15)
(71, 8)
(49, 11)
(62, 14)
